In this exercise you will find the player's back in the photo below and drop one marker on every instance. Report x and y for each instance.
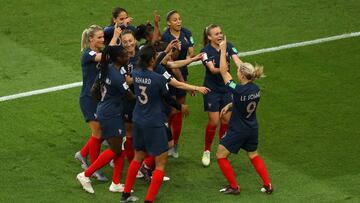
(149, 89)
(245, 101)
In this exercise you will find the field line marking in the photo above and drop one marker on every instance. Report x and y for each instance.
(241, 54)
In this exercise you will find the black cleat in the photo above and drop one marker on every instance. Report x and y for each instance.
(268, 189)
(126, 197)
(146, 172)
(229, 190)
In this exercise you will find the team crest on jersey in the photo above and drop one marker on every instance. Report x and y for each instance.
(92, 53)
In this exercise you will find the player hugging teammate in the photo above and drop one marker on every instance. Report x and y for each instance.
(140, 116)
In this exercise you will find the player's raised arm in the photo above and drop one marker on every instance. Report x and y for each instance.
(223, 63)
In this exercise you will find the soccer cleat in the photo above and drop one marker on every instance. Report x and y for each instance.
(229, 190)
(268, 189)
(82, 160)
(99, 175)
(175, 152)
(112, 163)
(139, 174)
(146, 172)
(85, 182)
(116, 187)
(126, 197)
(171, 151)
(206, 158)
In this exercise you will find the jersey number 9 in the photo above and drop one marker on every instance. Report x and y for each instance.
(250, 108)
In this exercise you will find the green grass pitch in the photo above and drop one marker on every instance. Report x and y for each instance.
(309, 111)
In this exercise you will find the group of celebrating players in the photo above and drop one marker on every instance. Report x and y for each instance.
(133, 97)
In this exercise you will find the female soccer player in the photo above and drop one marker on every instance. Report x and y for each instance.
(149, 129)
(91, 44)
(110, 89)
(120, 18)
(184, 36)
(219, 96)
(243, 126)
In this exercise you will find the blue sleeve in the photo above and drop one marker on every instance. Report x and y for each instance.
(164, 88)
(189, 36)
(205, 58)
(121, 84)
(160, 58)
(231, 50)
(89, 56)
(235, 88)
(162, 71)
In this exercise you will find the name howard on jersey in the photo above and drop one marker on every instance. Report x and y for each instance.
(146, 81)
(250, 96)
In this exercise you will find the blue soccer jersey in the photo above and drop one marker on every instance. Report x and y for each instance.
(149, 87)
(112, 95)
(186, 40)
(89, 71)
(215, 81)
(245, 101)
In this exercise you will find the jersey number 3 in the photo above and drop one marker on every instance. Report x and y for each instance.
(143, 98)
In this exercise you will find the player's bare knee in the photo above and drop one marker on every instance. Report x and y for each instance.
(221, 152)
(252, 155)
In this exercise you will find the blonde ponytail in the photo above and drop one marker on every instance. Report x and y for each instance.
(250, 72)
(84, 40)
(87, 34)
(258, 72)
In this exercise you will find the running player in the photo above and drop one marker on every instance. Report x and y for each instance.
(219, 96)
(110, 89)
(149, 129)
(184, 36)
(243, 126)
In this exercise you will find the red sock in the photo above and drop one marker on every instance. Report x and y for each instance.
(94, 148)
(261, 169)
(222, 130)
(209, 136)
(129, 149)
(118, 167)
(85, 150)
(176, 125)
(131, 175)
(227, 171)
(149, 162)
(101, 161)
(155, 185)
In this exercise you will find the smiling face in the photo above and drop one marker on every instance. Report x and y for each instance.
(97, 40)
(129, 42)
(215, 35)
(175, 22)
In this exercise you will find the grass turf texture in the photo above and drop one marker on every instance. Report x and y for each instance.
(308, 112)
